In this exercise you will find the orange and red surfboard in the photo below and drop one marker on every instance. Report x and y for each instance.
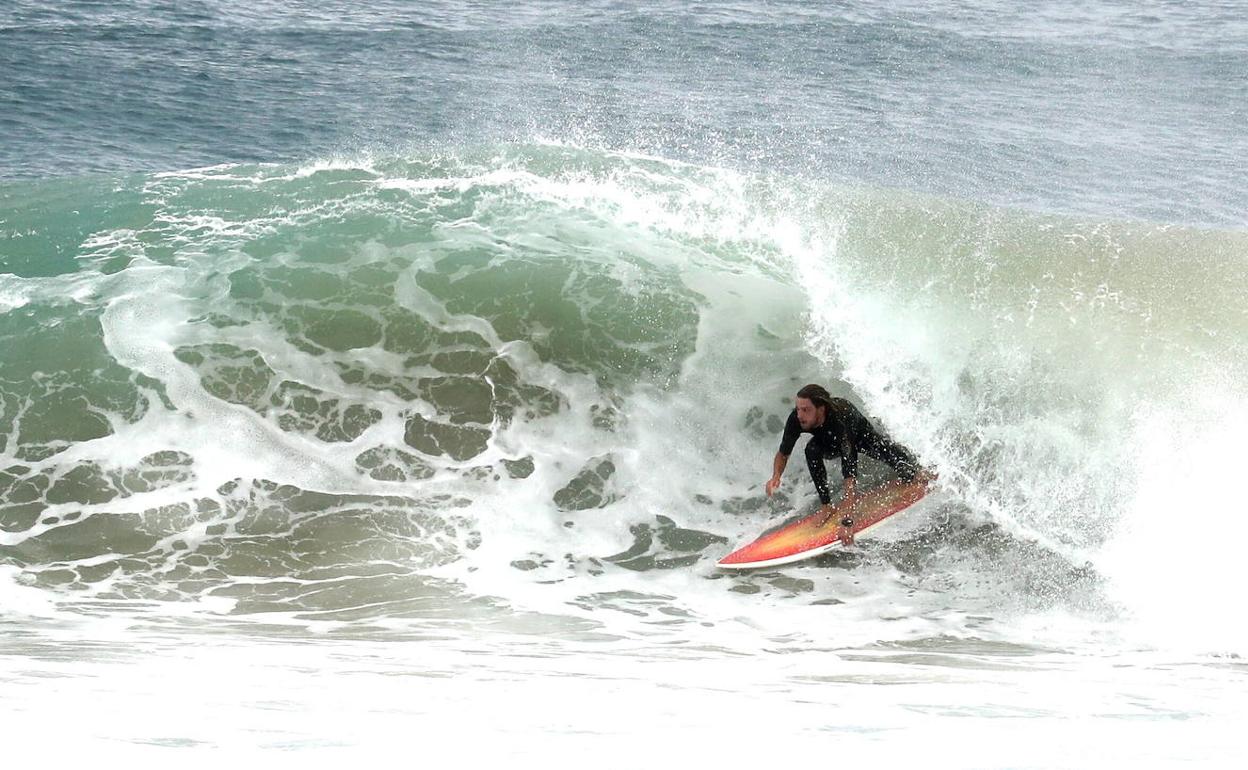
(816, 533)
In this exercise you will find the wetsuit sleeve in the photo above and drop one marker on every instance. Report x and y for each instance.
(792, 429)
(849, 456)
(851, 422)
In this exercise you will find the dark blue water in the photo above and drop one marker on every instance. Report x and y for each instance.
(1120, 109)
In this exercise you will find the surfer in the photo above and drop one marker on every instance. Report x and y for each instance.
(838, 429)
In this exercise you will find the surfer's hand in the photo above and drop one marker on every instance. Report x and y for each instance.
(772, 485)
(827, 512)
(849, 503)
(845, 528)
(845, 534)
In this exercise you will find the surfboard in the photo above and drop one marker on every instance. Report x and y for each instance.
(816, 533)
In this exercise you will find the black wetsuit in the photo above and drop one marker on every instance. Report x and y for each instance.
(845, 433)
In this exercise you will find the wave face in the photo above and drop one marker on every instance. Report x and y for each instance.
(552, 379)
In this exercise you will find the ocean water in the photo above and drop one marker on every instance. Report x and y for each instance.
(381, 377)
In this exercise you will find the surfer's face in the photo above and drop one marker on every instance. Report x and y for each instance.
(809, 415)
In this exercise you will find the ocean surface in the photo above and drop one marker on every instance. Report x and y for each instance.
(388, 377)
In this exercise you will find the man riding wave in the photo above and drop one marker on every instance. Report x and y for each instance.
(838, 429)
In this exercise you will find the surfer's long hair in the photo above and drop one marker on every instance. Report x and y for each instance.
(817, 395)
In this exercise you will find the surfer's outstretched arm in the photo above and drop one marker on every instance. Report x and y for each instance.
(777, 470)
(846, 509)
